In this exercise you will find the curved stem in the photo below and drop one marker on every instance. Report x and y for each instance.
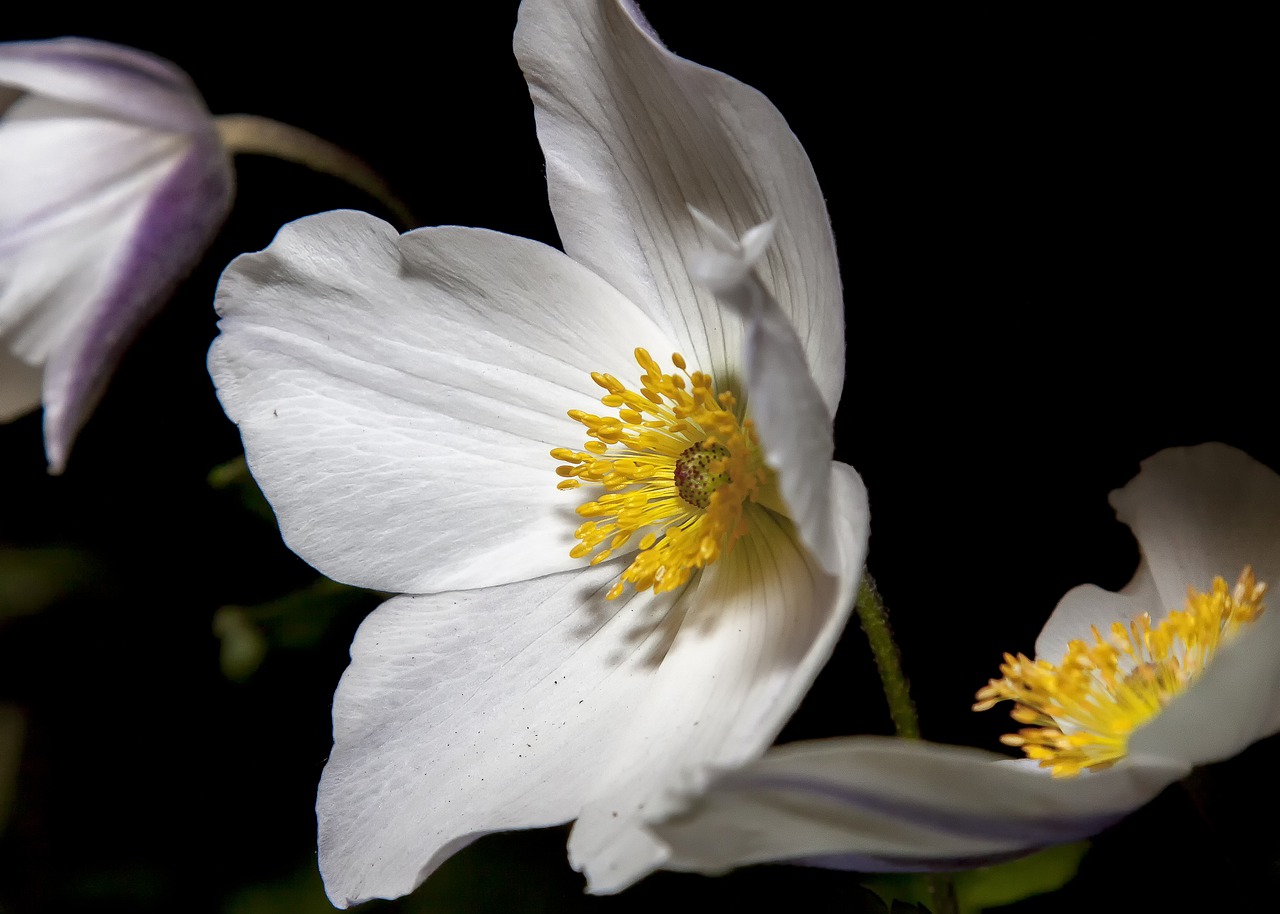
(248, 134)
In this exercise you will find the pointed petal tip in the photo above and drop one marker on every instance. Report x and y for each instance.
(726, 267)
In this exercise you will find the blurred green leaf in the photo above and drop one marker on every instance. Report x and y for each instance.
(987, 887)
(243, 645)
(991, 886)
(33, 579)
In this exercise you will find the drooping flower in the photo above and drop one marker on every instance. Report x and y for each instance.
(112, 183)
(601, 479)
(1128, 693)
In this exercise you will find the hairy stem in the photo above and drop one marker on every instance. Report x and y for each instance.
(874, 618)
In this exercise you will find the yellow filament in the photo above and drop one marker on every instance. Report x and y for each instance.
(1082, 711)
(633, 457)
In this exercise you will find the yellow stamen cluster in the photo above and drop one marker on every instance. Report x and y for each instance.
(635, 457)
(1083, 710)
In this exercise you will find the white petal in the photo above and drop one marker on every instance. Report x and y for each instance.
(71, 193)
(1201, 512)
(1088, 605)
(122, 84)
(633, 135)
(1235, 703)
(104, 206)
(782, 399)
(761, 623)
(1197, 513)
(476, 711)
(881, 804)
(399, 396)
(182, 212)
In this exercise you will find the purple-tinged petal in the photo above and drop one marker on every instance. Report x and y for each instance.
(118, 82)
(112, 183)
(182, 215)
(882, 804)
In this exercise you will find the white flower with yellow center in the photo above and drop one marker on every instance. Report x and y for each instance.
(583, 645)
(1128, 693)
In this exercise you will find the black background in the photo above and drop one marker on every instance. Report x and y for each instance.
(1049, 234)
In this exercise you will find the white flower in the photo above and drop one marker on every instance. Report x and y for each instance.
(407, 402)
(1136, 708)
(112, 183)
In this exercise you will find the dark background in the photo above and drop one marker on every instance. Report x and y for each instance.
(1048, 228)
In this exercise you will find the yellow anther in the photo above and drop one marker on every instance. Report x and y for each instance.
(636, 457)
(1081, 712)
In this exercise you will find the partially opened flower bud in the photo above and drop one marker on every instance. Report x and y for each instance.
(113, 182)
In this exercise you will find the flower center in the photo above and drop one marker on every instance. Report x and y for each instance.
(676, 465)
(695, 476)
(1082, 711)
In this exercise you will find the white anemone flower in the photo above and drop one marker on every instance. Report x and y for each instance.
(585, 630)
(112, 182)
(1130, 691)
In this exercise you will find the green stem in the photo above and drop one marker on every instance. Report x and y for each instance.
(897, 691)
(875, 622)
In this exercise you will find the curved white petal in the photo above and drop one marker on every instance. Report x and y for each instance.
(782, 399)
(120, 83)
(509, 707)
(1197, 513)
(470, 712)
(1234, 703)
(1088, 605)
(71, 189)
(399, 396)
(633, 135)
(882, 804)
(104, 207)
(1200, 512)
(753, 634)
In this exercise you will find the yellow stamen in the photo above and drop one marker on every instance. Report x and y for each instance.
(677, 462)
(1083, 710)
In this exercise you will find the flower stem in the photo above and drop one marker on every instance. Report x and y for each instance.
(874, 618)
(875, 623)
(249, 134)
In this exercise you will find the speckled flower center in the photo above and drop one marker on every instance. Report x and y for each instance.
(677, 465)
(1083, 710)
(700, 472)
